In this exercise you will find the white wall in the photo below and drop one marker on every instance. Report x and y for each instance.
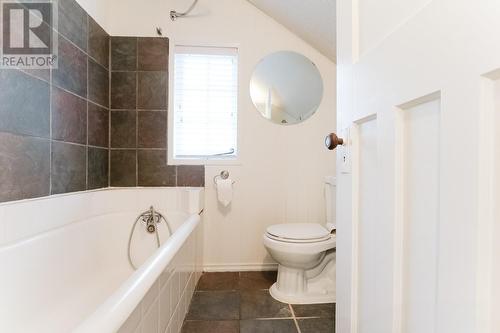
(280, 177)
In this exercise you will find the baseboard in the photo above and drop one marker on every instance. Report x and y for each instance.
(239, 267)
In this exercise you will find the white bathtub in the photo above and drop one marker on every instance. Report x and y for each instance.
(64, 263)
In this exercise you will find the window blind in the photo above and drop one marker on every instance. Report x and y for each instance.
(205, 102)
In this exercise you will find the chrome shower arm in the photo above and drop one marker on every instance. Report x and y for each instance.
(175, 15)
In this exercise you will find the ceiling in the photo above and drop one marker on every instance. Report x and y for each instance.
(313, 21)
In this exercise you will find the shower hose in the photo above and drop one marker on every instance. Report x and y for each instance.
(152, 219)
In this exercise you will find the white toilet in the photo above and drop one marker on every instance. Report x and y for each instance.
(305, 253)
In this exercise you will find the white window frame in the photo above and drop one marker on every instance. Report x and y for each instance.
(172, 159)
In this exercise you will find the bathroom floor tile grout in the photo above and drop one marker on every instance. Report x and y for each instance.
(215, 284)
(294, 318)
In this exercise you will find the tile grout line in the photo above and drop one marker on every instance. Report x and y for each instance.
(294, 318)
(138, 71)
(39, 78)
(50, 130)
(72, 93)
(140, 110)
(227, 290)
(136, 113)
(87, 110)
(78, 47)
(268, 319)
(138, 149)
(109, 108)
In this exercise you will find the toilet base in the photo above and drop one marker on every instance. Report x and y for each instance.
(305, 298)
(296, 286)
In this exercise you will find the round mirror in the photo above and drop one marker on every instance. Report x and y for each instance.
(286, 87)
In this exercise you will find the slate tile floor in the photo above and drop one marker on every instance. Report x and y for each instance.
(240, 302)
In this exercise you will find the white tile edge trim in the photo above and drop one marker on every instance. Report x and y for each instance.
(104, 189)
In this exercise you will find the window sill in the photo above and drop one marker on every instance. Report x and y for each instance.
(194, 161)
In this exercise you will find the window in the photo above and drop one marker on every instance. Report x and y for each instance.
(205, 103)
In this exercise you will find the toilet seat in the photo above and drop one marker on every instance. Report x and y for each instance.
(298, 232)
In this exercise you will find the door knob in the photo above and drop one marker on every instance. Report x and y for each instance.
(332, 141)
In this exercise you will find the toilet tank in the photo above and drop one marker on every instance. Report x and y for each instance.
(330, 197)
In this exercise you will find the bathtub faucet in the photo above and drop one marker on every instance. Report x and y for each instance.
(151, 219)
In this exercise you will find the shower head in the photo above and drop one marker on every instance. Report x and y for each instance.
(175, 15)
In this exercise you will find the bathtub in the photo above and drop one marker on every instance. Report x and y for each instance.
(64, 263)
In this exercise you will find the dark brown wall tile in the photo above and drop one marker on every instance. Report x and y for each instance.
(72, 71)
(24, 104)
(123, 129)
(97, 170)
(29, 160)
(43, 74)
(73, 22)
(152, 90)
(25, 109)
(123, 90)
(152, 129)
(45, 10)
(98, 84)
(98, 43)
(69, 117)
(68, 171)
(123, 168)
(44, 31)
(191, 175)
(139, 85)
(98, 125)
(152, 54)
(25, 167)
(124, 53)
(153, 169)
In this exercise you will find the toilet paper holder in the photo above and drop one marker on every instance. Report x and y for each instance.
(224, 174)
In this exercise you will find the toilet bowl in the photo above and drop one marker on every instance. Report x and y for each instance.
(305, 253)
(306, 265)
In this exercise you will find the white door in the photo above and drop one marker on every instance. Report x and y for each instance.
(418, 238)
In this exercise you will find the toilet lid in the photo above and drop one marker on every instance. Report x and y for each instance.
(299, 231)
